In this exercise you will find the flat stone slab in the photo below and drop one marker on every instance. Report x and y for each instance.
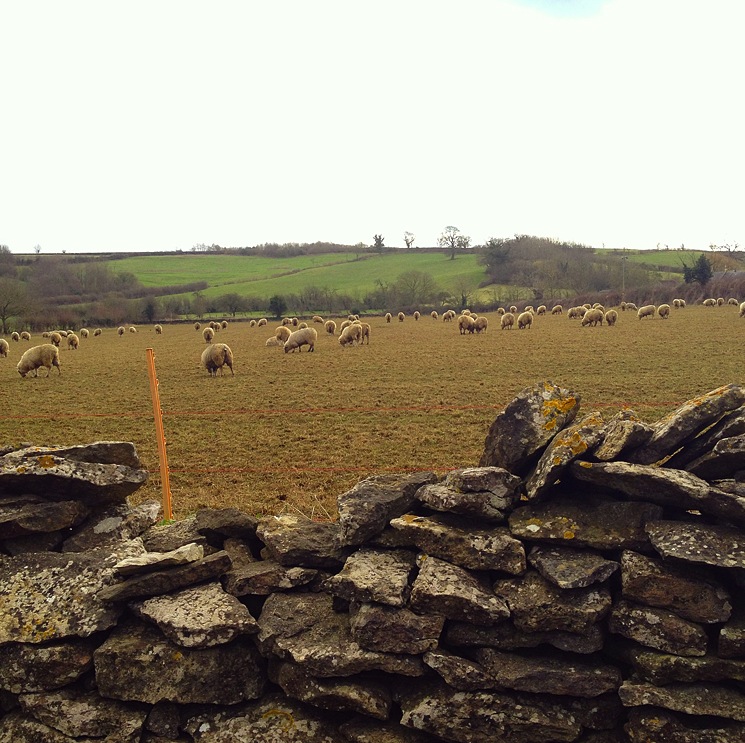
(74, 580)
(223, 523)
(158, 560)
(731, 642)
(304, 628)
(369, 575)
(526, 426)
(666, 487)
(459, 673)
(450, 591)
(295, 541)
(659, 726)
(365, 730)
(693, 699)
(549, 675)
(263, 577)
(664, 668)
(723, 461)
(21, 516)
(657, 628)
(624, 432)
(570, 568)
(17, 727)
(649, 581)
(688, 420)
(539, 606)
(388, 629)
(463, 542)
(487, 493)
(62, 474)
(138, 663)
(602, 523)
(366, 509)
(570, 443)
(198, 617)
(698, 543)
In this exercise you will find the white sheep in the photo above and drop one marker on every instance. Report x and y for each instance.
(557, 309)
(507, 321)
(55, 339)
(434, 315)
(45, 334)
(676, 303)
(282, 333)
(295, 322)
(97, 332)
(742, 310)
(541, 310)
(350, 335)
(593, 316)
(158, 330)
(208, 334)
(274, 341)
(416, 315)
(501, 311)
(466, 324)
(197, 326)
(300, 338)
(733, 301)
(217, 356)
(84, 332)
(345, 324)
(72, 342)
(262, 322)
(630, 306)
(286, 321)
(647, 310)
(388, 317)
(318, 319)
(15, 337)
(513, 309)
(448, 315)
(664, 311)
(46, 355)
(119, 330)
(252, 323)
(465, 312)
(525, 320)
(401, 316)
(132, 329)
(481, 324)
(330, 327)
(302, 325)
(710, 302)
(529, 308)
(610, 317)
(623, 306)
(224, 324)
(4, 347)
(25, 336)
(720, 301)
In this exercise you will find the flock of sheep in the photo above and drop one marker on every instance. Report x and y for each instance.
(292, 334)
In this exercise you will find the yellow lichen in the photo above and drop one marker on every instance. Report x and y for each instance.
(568, 534)
(288, 718)
(585, 464)
(46, 461)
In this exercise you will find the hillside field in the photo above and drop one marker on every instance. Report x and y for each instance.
(290, 432)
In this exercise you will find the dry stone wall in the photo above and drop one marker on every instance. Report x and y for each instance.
(584, 582)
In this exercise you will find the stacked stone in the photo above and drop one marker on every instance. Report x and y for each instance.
(583, 583)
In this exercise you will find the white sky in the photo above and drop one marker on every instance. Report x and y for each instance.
(160, 124)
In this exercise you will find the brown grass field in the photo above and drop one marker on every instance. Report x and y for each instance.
(290, 432)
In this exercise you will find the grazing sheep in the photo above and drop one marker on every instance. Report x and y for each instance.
(208, 334)
(465, 312)
(610, 317)
(45, 334)
(529, 308)
(132, 329)
(158, 329)
(252, 324)
(352, 318)
(720, 301)
(401, 316)
(63, 333)
(507, 321)
(262, 322)
(302, 325)
(587, 306)
(525, 320)
(25, 336)
(448, 315)
(434, 314)
(466, 324)
(350, 335)
(647, 310)
(501, 311)
(513, 309)
(97, 332)
(598, 306)
(15, 337)
(330, 326)
(217, 356)
(4, 347)
(682, 303)
(742, 310)
(416, 315)
(630, 306)
(733, 301)
(676, 303)
(56, 339)
(593, 316)
(664, 311)
(388, 317)
(480, 324)
(295, 322)
(623, 306)
(365, 332)
(541, 310)
(282, 333)
(345, 324)
(73, 342)
(557, 309)
(84, 332)
(300, 338)
(286, 321)
(46, 355)
(224, 324)
(197, 326)
(274, 341)
(318, 319)
(710, 302)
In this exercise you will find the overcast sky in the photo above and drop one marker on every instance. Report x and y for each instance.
(160, 124)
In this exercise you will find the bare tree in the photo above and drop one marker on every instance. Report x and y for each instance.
(452, 239)
(13, 300)
(409, 238)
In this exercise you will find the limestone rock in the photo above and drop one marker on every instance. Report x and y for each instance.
(570, 443)
(661, 485)
(463, 542)
(248, 576)
(526, 426)
(21, 516)
(366, 509)
(664, 668)
(366, 696)
(649, 581)
(486, 493)
(72, 581)
(569, 568)
(687, 421)
(658, 726)
(602, 523)
(199, 617)
(62, 474)
(365, 730)
(726, 458)
(657, 628)
(693, 699)
(305, 629)
(86, 714)
(388, 629)
(28, 668)
(549, 674)
(442, 588)
(19, 728)
(624, 432)
(171, 536)
(159, 560)
(698, 543)
(102, 452)
(374, 575)
(295, 541)
(539, 606)
(459, 673)
(221, 523)
(137, 663)
(113, 524)
(170, 579)
(731, 642)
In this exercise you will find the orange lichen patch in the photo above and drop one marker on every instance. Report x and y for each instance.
(534, 522)
(585, 464)
(553, 408)
(568, 534)
(410, 518)
(46, 461)
(289, 720)
(177, 655)
(20, 470)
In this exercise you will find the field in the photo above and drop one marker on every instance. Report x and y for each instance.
(290, 432)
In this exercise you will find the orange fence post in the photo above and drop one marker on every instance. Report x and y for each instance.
(158, 414)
